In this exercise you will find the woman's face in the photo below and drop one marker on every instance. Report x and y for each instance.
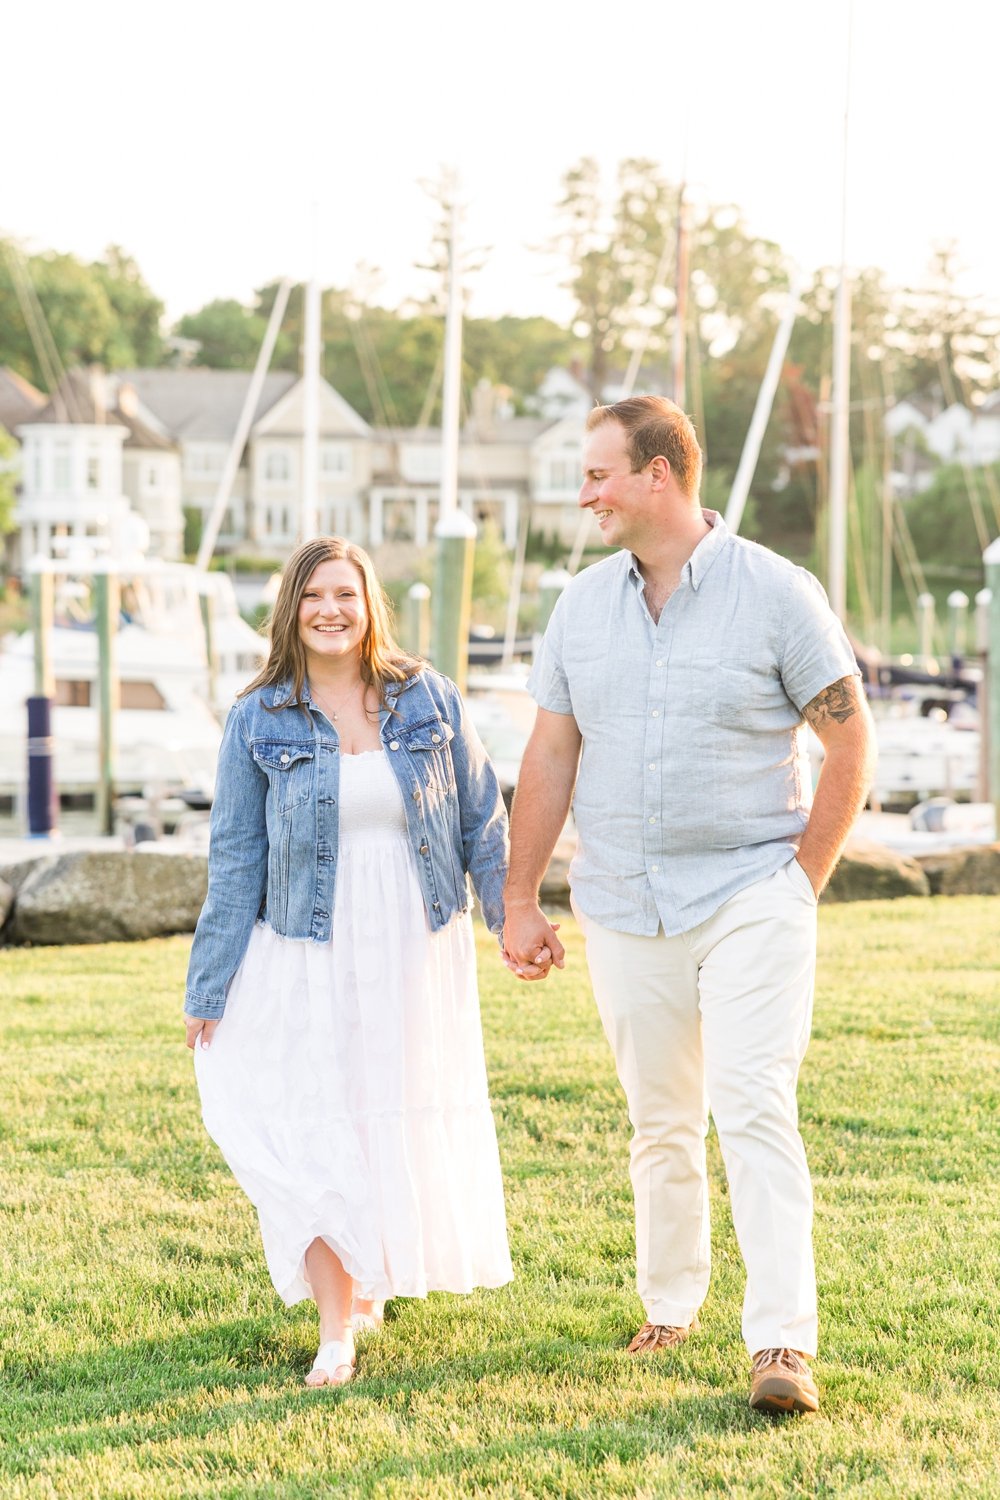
(332, 614)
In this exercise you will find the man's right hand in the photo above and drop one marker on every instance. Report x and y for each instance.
(530, 945)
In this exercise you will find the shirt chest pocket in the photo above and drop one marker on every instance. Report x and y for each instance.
(429, 744)
(290, 770)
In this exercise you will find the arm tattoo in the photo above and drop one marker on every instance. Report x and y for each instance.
(837, 703)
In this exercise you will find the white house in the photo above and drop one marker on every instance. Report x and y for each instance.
(73, 461)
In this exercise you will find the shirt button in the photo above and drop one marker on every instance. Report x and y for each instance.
(654, 869)
(656, 713)
(652, 765)
(652, 820)
(660, 662)
(393, 744)
(436, 738)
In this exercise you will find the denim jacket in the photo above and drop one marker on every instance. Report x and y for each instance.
(275, 819)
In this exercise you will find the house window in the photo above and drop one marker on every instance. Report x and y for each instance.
(563, 473)
(336, 460)
(203, 459)
(152, 477)
(277, 466)
(62, 470)
(93, 471)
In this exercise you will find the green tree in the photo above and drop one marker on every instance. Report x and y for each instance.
(943, 527)
(230, 335)
(613, 250)
(135, 337)
(97, 313)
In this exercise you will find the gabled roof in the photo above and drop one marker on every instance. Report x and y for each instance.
(19, 400)
(76, 400)
(204, 405)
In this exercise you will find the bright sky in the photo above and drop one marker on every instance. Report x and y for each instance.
(200, 134)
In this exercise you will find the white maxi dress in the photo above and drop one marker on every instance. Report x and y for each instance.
(346, 1085)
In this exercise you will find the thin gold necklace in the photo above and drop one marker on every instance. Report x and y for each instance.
(328, 709)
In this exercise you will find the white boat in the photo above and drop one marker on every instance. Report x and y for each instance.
(168, 727)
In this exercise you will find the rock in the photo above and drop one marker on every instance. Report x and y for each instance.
(106, 896)
(871, 872)
(6, 901)
(974, 871)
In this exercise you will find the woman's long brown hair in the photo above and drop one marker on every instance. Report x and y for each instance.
(382, 660)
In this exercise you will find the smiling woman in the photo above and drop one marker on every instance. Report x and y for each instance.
(332, 1000)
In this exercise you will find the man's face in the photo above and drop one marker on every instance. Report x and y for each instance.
(623, 504)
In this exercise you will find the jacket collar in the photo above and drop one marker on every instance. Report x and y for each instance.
(278, 693)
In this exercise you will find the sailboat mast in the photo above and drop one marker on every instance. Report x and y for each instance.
(311, 356)
(451, 395)
(680, 315)
(455, 533)
(840, 406)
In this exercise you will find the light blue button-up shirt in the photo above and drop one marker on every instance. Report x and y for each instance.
(694, 778)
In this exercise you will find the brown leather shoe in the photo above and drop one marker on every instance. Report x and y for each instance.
(655, 1336)
(781, 1383)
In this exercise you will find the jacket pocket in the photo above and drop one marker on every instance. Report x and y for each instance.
(289, 769)
(429, 744)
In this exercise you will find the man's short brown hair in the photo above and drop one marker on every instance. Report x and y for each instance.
(655, 428)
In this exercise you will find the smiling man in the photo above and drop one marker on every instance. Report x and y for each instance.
(673, 685)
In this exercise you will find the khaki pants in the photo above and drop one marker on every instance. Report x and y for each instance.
(718, 1017)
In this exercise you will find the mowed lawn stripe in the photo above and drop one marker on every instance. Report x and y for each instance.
(144, 1353)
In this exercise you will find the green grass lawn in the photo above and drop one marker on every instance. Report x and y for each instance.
(144, 1353)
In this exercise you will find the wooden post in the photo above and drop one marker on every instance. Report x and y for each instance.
(417, 620)
(42, 594)
(982, 630)
(106, 602)
(925, 604)
(991, 677)
(452, 597)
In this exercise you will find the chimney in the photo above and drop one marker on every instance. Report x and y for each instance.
(98, 385)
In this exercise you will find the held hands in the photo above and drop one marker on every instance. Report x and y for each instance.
(197, 1028)
(530, 945)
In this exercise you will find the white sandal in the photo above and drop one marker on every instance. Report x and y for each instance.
(367, 1322)
(334, 1355)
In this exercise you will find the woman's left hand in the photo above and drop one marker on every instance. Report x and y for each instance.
(197, 1026)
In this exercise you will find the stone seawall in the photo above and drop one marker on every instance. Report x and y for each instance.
(115, 895)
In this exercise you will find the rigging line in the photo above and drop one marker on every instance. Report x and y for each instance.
(909, 587)
(433, 389)
(389, 404)
(22, 290)
(64, 388)
(871, 550)
(971, 487)
(857, 547)
(367, 376)
(985, 470)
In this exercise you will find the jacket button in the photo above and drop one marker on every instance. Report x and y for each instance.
(436, 905)
(285, 758)
(436, 738)
(393, 744)
(424, 849)
(416, 794)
